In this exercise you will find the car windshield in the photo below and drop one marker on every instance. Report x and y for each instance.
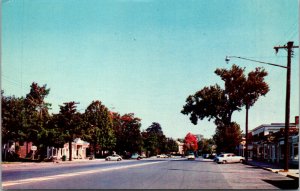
(221, 155)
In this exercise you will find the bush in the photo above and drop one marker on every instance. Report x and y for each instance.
(64, 158)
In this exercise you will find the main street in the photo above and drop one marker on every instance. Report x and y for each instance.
(178, 173)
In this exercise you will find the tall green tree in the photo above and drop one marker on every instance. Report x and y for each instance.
(53, 134)
(227, 138)
(99, 127)
(171, 145)
(37, 115)
(12, 111)
(12, 125)
(128, 133)
(69, 121)
(206, 146)
(155, 142)
(219, 104)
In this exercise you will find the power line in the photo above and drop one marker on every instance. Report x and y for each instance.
(288, 32)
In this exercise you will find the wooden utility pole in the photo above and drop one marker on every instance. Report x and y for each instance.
(289, 48)
(247, 134)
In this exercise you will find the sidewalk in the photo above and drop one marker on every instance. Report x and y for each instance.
(16, 165)
(292, 173)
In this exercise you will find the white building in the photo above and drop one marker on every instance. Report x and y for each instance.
(78, 150)
(180, 147)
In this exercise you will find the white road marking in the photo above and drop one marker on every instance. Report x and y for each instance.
(29, 180)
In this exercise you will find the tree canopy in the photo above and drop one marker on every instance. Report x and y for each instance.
(69, 121)
(190, 142)
(99, 127)
(128, 133)
(215, 103)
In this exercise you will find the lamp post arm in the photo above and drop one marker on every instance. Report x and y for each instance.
(257, 61)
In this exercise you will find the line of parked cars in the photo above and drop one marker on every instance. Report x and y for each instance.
(222, 158)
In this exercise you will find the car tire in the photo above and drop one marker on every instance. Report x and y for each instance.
(241, 161)
(118, 159)
(224, 162)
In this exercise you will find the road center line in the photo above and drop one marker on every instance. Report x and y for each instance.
(29, 180)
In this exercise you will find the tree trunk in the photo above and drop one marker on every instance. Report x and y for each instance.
(70, 150)
(26, 149)
(94, 150)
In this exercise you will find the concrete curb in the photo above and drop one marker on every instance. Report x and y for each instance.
(293, 177)
(275, 171)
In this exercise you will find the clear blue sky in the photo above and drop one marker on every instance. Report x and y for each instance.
(145, 57)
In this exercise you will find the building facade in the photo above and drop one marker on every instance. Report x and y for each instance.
(267, 142)
(79, 150)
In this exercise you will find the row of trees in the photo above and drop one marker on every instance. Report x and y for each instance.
(218, 104)
(27, 119)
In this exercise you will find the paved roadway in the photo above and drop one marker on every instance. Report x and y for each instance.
(144, 174)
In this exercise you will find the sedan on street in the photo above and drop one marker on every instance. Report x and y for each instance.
(191, 156)
(228, 158)
(114, 157)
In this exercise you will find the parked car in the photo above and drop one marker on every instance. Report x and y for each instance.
(229, 158)
(191, 156)
(212, 156)
(162, 156)
(113, 157)
(206, 156)
(136, 156)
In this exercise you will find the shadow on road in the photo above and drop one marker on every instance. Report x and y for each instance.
(284, 184)
(200, 171)
(255, 167)
(184, 159)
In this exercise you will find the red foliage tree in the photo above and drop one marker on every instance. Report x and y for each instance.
(190, 142)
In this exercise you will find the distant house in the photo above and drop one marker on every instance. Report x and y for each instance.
(79, 150)
(13, 150)
(180, 148)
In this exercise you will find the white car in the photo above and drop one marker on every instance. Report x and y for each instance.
(114, 157)
(162, 156)
(229, 158)
(191, 156)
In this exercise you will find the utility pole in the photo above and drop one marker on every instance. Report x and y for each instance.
(247, 134)
(289, 48)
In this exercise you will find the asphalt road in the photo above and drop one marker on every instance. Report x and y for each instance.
(145, 174)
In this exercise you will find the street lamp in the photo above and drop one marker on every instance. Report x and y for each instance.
(289, 47)
(227, 59)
